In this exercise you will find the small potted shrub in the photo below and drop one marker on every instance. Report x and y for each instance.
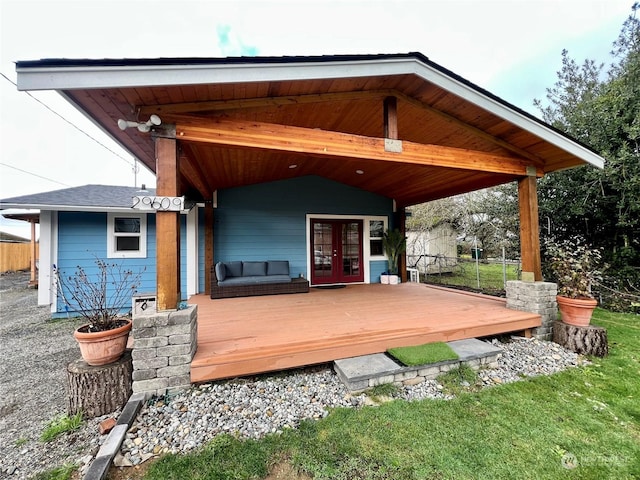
(394, 243)
(574, 266)
(100, 299)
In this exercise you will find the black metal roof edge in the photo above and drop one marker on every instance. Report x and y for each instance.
(166, 61)
(124, 62)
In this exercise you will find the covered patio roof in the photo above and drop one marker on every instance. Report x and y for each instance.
(398, 125)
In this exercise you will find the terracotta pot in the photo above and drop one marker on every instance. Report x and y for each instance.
(100, 348)
(576, 311)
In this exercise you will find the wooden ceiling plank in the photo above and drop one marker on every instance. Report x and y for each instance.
(537, 161)
(235, 104)
(323, 143)
(190, 168)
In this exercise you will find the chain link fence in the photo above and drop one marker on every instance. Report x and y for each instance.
(468, 272)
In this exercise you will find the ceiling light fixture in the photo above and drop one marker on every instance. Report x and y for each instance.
(359, 172)
(293, 165)
(142, 127)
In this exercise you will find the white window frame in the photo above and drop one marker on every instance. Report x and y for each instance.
(111, 236)
(368, 237)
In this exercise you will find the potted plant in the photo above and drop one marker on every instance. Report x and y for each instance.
(394, 243)
(101, 299)
(574, 266)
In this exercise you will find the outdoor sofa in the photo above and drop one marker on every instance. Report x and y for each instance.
(244, 279)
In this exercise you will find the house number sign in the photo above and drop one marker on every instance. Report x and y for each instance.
(158, 204)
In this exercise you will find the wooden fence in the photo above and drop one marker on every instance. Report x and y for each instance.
(16, 256)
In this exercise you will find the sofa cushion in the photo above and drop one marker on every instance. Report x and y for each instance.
(221, 272)
(277, 267)
(253, 269)
(233, 269)
(253, 280)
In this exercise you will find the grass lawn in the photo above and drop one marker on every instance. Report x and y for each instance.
(579, 424)
(464, 275)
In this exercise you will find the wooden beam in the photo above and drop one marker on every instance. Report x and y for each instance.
(391, 118)
(262, 102)
(529, 230)
(193, 173)
(322, 143)
(167, 227)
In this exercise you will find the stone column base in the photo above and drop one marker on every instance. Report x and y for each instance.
(164, 344)
(535, 297)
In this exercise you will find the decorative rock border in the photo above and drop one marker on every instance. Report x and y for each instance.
(361, 373)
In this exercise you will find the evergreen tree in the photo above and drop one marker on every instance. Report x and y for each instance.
(601, 109)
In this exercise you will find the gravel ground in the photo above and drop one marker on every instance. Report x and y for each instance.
(35, 352)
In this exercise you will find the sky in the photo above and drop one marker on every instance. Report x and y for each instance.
(511, 48)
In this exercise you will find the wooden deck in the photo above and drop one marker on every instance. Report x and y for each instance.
(242, 336)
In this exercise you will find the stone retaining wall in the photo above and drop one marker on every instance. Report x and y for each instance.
(164, 344)
(535, 297)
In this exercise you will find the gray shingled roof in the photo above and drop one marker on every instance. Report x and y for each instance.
(87, 197)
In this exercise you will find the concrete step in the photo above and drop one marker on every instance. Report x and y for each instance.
(361, 373)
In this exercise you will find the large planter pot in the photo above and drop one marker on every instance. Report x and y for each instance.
(384, 279)
(394, 279)
(576, 311)
(101, 348)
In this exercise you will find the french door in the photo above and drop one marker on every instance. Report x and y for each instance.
(336, 246)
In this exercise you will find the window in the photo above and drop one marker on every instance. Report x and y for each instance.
(126, 235)
(376, 229)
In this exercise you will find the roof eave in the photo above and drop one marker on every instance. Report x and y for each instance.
(128, 75)
(66, 208)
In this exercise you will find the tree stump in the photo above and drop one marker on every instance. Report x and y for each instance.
(589, 340)
(99, 390)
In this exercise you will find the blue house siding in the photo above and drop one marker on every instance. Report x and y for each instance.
(82, 237)
(268, 221)
(378, 267)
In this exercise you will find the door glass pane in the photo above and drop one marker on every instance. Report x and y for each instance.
(323, 249)
(351, 249)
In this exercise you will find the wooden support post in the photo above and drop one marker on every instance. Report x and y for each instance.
(208, 245)
(167, 227)
(529, 230)
(391, 132)
(391, 118)
(401, 222)
(33, 280)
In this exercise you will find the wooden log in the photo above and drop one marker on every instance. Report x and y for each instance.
(100, 390)
(589, 340)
